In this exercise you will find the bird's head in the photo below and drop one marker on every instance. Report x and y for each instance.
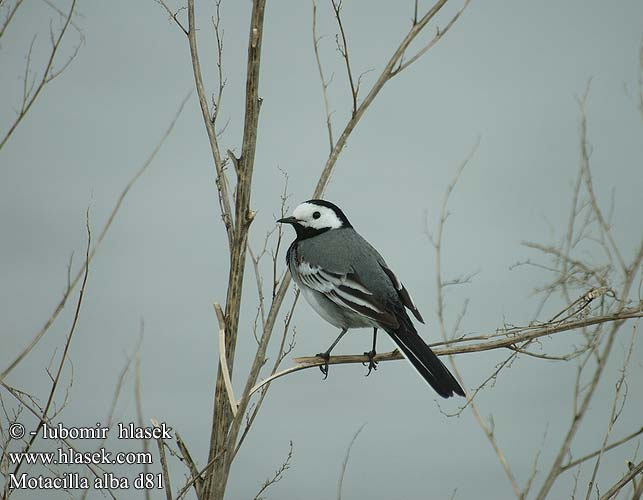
(315, 217)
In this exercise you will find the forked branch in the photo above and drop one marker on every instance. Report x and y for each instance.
(48, 74)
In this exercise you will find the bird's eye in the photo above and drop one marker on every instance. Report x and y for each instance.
(316, 215)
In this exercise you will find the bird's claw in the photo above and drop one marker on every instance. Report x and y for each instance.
(372, 364)
(324, 368)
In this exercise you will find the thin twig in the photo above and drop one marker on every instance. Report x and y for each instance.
(277, 476)
(386, 74)
(584, 394)
(589, 456)
(97, 245)
(281, 353)
(324, 83)
(115, 398)
(343, 50)
(198, 478)
(222, 187)
(340, 483)
(195, 477)
(166, 475)
(436, 38)
(173, 16)
(63, 359)
(48, 75)
(218, 33)
(488, 429)
(96, 470)
(139, 402)
(614, 415)
(613, 491)
(9, 17)
(585, 155)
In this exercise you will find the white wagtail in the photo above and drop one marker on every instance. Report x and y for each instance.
(350, 285)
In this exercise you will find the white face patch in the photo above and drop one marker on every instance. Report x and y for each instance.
(316, 217)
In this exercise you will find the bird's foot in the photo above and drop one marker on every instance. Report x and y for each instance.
(324, 368)
(372, 364)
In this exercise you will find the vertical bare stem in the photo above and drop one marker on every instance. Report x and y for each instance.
(224, 202)
(222, 416)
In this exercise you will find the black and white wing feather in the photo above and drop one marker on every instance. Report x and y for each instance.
(402, 292)
(346, 290)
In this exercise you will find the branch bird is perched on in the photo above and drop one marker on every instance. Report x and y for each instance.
(350, 285)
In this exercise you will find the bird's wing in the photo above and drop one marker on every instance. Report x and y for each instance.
(347, 291)
(403, 293)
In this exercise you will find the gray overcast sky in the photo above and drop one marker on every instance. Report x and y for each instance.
(509, 73)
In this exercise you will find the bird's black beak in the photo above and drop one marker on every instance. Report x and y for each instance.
(288, 220)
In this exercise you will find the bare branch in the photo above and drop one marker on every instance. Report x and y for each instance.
(589, 456)
(494, 341)
(195, 477)
(487, 428)
(63, 359)
(583, 394)
(614, 415)
(224, 201)
(574, 263)
(387, 73)
(613, 491)
(115, 398)
(278, 475)
(63, 15)
(259, 281)
(282, 351)
(10, 14)
(48, 74)
(637, 488)
(166, 475)
(587, 176)
(173, 16)
(324, 83)
(534, 468)
(21, 397)
(340, 483)
(436, 38)
(139, 404)
(343, 50)
(218, 33)
(225, 427)
(97, 245)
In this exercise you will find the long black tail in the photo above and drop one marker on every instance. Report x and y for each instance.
(424, 359)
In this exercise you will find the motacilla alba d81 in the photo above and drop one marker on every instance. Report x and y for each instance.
(350, 285)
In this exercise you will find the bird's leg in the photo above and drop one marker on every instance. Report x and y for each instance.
(326, 355)
(372, 364)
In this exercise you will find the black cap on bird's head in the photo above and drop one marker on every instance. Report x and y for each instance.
(315, 217)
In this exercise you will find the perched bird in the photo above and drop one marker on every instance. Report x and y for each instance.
(350, 285)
